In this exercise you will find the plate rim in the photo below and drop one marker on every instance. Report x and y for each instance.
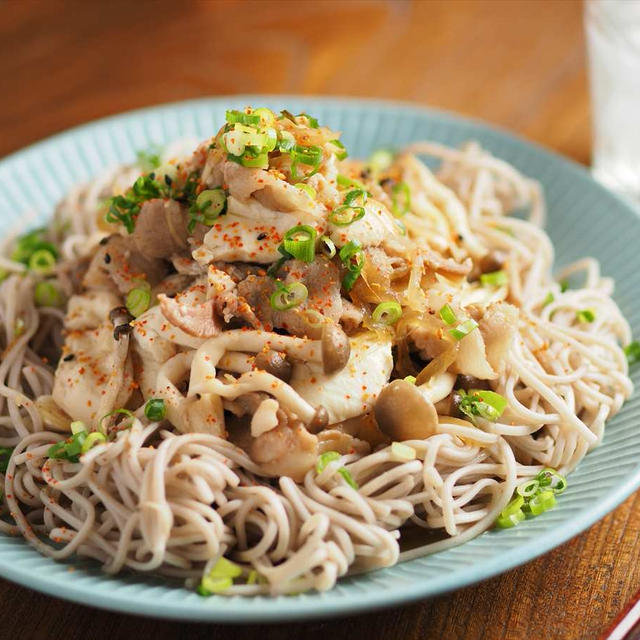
(311, 606)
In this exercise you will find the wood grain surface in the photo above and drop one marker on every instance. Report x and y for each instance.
(517, 64)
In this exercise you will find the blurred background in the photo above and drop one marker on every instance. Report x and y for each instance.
(517, 63)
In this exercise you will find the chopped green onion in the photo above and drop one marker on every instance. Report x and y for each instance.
(347, 213)
(331, 456)
(387, 313)
(289, 296)
(463, 329)
(403, 452)
(585, 315)
(69, 449)
(512, 514)
(380, 160)
(286, 141)
(313, 122)
(150, 159)
(400, 199)
(155, 409)
(252, 578)
(528, 488)
(42, 261)
(300, 242)
(77, 426)
(5, 455)
(344, 215)
(124, 209)
(348, 478)
(548, 299)
(211, 202)
(632, 351)
(46, 294)
(208, 586)
(480, 402)
(234, 116)
(18, 327)
(551, 478)
(310, 191)
(350, 183)
(93, 439)
(138, 300)
(251, 161)
(267, 117)
(494, 279)
(225, 569)
(26, 244)
(564, 285)
(533, 497)
(325, 458)
(328, 247)
(448, 315)
(410, 379)
(310, 156)
(124, 412)
(342, 154)
(540, 503)
(353, 259)
(401, 226)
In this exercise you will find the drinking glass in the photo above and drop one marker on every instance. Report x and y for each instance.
(613, 41)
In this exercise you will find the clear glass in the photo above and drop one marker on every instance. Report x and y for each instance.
(613, 39)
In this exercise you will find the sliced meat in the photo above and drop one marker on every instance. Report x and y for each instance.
(198, 320)
(352, 316)
(161, 228)
(251, 232)
(272, 192)
(371, 230)
(118, 266)
(498, 327)
(191, 311)
(173, 284)
(99, 377)
(227, 302)
(322, 279)
(352, 390)
(89, 310)
(287, 450)
(445, 266)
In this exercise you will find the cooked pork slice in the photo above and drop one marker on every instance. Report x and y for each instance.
(227, 302)
(161, 229)
(322, 280)
(94, 376)
(118, 266)
(371, 230)
(352, 390)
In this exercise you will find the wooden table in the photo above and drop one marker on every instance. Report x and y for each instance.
(517, 64)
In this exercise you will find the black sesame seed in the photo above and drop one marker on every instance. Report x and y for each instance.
(69, 357)
(107, 258)
(104, 241)
(262, 236)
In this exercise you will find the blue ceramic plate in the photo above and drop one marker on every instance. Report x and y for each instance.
(584, 219)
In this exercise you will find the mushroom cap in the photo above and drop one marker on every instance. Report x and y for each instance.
(403, 413)
(275, 363)
(336, 348)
